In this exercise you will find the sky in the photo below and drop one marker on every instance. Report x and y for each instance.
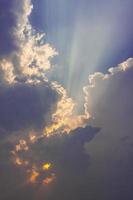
(89, 36)
(66, 100)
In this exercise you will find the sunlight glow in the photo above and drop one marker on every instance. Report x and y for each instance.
(46, 166)
(34, 175)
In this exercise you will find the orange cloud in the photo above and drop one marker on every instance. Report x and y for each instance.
(49, 179)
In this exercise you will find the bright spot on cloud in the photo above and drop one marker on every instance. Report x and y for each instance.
(32, 138)
(46, 166)
(34, 175)
(18, 161)
(22, 146)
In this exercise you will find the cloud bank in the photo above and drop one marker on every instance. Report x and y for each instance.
(109, 99)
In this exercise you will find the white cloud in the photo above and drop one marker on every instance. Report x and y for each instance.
(32, 56)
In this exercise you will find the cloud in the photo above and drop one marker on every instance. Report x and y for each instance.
(26, 96)
(109, 99)
(109, 96)
(24, 106)
(24, 54)
(13, 17)
(69, 164)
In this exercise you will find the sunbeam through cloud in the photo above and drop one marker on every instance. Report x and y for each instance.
(60, 136)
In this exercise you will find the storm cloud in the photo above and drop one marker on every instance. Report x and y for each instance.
(69, 161)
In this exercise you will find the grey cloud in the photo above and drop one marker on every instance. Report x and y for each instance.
(71, 164)
(24, 106)
(110, 101)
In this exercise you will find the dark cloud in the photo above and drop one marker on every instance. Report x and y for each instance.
(24, 106)
(70, 164)
(110, 101)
